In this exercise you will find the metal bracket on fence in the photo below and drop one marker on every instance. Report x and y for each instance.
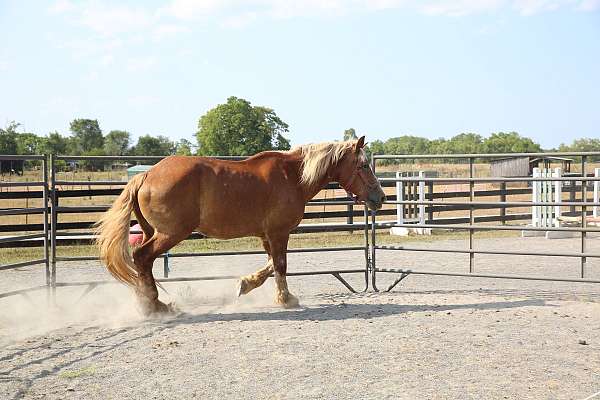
(397, 281)
(344, 282)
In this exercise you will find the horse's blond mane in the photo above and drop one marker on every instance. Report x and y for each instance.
(318, 157)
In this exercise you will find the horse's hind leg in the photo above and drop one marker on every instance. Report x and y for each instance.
(252, 281)
(143, 258)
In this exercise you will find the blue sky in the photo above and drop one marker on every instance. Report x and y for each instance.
(383, 67)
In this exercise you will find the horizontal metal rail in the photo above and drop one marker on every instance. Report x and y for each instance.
(500, 252)
(495, 203)
(21, 237)
(229, 253)
(490, 227)
(211, 278)
(494, 276)
(21, 184)
(493, 179)
(488, 155)
(90, 183)
(9, 157)
(22, 264)
(135, 158)
(22, 211)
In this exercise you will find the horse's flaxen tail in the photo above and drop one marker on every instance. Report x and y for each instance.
(112, 234)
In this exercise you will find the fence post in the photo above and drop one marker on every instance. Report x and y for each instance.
(45, 202)
(503, 200)
(596, 214)
(54, 223)
(399, 197)
(350, 210)
(421, 197)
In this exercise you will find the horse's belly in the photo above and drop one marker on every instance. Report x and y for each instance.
(230, 225)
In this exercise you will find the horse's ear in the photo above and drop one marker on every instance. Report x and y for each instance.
(360, 143)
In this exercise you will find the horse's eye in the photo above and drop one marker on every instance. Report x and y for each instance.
(365, 166)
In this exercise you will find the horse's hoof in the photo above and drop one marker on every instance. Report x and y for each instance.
(172, 308)
(243, 287)
(289, 301)
(240, 287)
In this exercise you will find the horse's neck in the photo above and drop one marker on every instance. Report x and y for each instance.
(312, 190)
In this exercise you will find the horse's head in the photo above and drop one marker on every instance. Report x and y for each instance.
(356, 176)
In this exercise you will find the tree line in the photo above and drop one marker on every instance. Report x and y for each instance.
(239, 128)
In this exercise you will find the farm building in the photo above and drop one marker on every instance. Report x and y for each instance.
(136, 169)
(523, 166)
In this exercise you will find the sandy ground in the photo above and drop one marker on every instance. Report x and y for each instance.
(431, 338)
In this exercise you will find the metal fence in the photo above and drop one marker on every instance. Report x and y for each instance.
(42, 231)
(52, 190)
(584, 205)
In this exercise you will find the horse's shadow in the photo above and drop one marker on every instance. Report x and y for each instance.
(341, 311)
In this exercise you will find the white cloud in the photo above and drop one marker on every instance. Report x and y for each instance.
(236, 13)
(111, 20)
(61, 6)
(194, 9)
(168, 30)
(460, 8)
(239, 21)
(140, 64)
(589, 5)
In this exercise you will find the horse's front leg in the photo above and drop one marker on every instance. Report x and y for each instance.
(279, 254)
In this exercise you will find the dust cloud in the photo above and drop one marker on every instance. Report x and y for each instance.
(115, 306)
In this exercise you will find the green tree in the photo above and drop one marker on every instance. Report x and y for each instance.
(238, 128)
(87, 134)
(116, 143)
(583, 144)
(350, 134)
(154, 146)
(407, 145)
(465, 143)
(511, 142)
(184, 148)
(29, 144)
(55, 143)
(8, 138)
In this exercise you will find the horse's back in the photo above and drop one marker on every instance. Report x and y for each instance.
(220, 198)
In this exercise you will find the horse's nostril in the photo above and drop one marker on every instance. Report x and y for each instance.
(383, 198)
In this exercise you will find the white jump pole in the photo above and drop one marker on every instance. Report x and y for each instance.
(399, 197)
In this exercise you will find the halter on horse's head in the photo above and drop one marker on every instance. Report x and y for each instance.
(356, 176)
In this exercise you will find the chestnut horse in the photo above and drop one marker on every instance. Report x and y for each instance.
(262, 196)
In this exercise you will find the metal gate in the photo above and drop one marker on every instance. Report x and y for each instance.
(584, 205)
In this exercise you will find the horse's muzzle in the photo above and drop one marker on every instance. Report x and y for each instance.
(375, 200)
